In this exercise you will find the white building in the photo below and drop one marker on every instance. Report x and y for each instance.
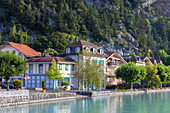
(78, 47)
(38, 66)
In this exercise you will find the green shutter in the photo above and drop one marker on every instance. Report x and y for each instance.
(103, 62)
(60, 65)
(92, 62)
(100, 62)
(96, 62)
(66, 66)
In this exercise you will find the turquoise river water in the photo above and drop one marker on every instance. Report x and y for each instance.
(134, 103)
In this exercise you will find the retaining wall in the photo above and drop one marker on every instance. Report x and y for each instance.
(15, 97)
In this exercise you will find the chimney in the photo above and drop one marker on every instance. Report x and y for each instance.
(76, 39)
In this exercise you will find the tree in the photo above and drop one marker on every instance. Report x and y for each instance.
(87, 71)
(51, 51)
(53, 72)
(162, 72)
(129, 72)
(151, 76)
(11, 65)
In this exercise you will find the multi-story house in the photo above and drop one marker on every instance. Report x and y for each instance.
(38, 66)
(78, 47)
(113, 61)
(142, 60)
(19, 49)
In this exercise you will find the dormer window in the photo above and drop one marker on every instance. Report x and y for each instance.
(77, 49)
(94, 50)
(87, 49)
(68, 50)
(101, 51)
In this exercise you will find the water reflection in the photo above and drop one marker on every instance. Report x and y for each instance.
(135, 103)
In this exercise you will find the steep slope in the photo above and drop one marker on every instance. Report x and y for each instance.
(125, 26)
(163, 6)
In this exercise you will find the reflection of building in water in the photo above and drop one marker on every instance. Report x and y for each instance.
(15, 109)
(48, 107)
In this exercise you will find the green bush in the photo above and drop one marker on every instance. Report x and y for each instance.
(43, 83)
(17, 83)
(65, 83)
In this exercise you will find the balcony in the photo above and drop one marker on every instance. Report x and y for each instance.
(113, 64)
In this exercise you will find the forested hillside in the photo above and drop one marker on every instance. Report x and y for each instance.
(124, 24)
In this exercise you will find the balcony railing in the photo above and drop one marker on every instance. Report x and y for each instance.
(113, 63)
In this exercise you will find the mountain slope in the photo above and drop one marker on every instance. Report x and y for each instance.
(121, 25)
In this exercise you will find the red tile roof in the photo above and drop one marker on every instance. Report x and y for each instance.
(49, 59)
(62, 59)
(41, 59)
(83, 43)
(26, 50)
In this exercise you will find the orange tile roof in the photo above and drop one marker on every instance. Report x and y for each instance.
(26, 50)
(49, 59)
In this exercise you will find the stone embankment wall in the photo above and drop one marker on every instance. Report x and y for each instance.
(39, 96)
(8, 98)
(102, 93)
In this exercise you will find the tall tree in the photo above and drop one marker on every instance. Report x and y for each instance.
(53, 72)
(162, 72)
(88, 72)
(129, 72)
(11, 65)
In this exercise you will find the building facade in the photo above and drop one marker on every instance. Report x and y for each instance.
(19, 49)
(79, 47)
(38, 66)
(113, 61)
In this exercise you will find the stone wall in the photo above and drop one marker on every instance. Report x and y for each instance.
(15, 97)
(39, 96)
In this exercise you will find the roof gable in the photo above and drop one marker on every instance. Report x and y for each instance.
(26, 50)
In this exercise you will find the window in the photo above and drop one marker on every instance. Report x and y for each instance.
(77, 50)
(30, 68)
(40, 68)
(60, 66)
(87, 49)
(101, 51)
(67, 50)
(66, 66)
(94, 50)
(72, 67)
(49, 65)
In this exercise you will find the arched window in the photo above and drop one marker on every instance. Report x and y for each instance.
(87, 49)
(94, 50)
(67, 50)
(101, 51)
(77, 50)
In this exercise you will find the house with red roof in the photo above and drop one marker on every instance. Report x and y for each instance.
(38, 66)
(19, 49)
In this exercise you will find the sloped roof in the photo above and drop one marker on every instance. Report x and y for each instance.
(62, 59)
(152, 60)
(26, 50)
(83, 43)
(49, 59)
(108, 53)
(41, 59)
(158, 61)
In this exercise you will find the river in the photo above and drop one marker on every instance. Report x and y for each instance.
(134, 103)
